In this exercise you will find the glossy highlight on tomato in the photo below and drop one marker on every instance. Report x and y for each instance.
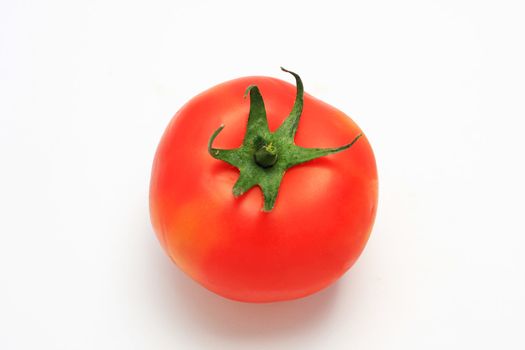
(317, 227)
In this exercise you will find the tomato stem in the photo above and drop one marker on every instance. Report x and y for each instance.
(264, 157)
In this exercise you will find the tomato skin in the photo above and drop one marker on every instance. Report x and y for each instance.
(322, 218)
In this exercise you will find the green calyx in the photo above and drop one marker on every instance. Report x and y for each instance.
(264, 156)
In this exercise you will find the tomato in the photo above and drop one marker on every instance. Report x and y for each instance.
(306, 237)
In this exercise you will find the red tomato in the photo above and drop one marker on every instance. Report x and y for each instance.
(321, 220)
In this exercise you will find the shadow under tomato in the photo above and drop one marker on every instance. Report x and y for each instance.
(184, 298)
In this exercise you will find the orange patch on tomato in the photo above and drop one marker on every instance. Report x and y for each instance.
(189, 239)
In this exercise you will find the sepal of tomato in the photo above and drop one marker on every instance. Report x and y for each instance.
(264, 156)
(307, 236)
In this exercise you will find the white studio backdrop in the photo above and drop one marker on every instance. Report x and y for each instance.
(87, 88)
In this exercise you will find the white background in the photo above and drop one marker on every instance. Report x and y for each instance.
(87, 88)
